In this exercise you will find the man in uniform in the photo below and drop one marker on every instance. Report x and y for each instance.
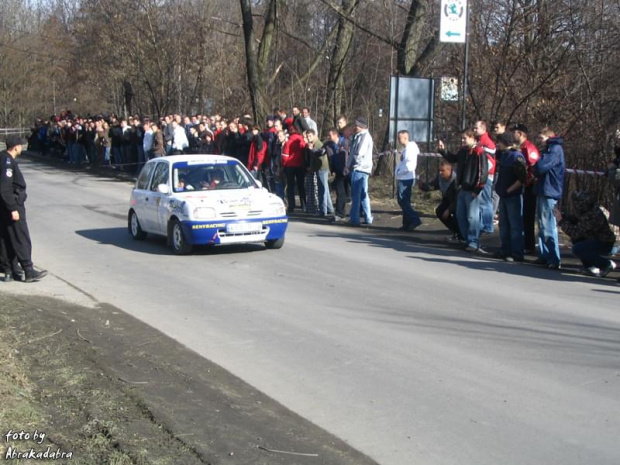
(15, 244)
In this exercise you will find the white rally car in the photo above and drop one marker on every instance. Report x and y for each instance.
(204, 200)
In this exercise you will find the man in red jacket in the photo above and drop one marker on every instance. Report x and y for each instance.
(486, 196)
(294, 169)
(532, 155)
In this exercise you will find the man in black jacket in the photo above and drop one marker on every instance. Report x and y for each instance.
(116, 135)
(446, 210)
(15, 244)
(472, 174)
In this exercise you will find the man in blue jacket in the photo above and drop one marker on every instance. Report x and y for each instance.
(549, 173)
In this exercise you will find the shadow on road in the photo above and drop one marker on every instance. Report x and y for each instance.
(156, 245)
(567, 341)
(430, 242)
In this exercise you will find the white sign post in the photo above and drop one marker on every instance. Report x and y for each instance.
(453, 24)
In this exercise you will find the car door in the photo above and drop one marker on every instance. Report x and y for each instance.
(140, 192)
(154, 198)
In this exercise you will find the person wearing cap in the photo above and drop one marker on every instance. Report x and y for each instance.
(359, 165)
(511, 178)
(532, 155)
(14, 235)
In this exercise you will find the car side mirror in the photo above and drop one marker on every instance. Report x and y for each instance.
(163, 189)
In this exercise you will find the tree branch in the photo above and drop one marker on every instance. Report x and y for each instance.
(343, 14)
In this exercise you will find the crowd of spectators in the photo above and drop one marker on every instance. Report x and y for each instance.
(500, 178)
(524, 185)
(286, 154)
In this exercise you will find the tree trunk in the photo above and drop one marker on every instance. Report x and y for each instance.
(335, 84)
(257, 61)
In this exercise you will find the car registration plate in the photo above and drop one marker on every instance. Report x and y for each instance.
(236, 228)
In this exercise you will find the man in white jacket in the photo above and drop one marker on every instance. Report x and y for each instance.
(405, 175)
(305, 116)
(179, 139)
(359, 165)
(147, 142)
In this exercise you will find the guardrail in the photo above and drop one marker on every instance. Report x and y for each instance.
(7, 131)
(10, 131)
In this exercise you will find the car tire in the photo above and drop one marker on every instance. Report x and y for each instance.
(275, 243)
(177, 240)
(133, 224)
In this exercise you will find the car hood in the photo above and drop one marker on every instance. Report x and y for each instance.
(229, 200)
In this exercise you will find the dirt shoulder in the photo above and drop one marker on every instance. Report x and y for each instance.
(110, 389)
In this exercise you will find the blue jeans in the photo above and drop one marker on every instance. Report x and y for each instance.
(325, 199)
(71, 152)
(486, 206)
(410, 216)
(77, 155)
(280, 189)
(141, 157)
(548, 243)
(468, 216)
(511, 226)
(359, 197)
(117, 155)
(590, 251)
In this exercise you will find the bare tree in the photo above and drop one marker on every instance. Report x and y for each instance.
(336, 82)
(258, 58)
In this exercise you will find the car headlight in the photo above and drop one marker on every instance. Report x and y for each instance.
(277, 208)
(204, 213)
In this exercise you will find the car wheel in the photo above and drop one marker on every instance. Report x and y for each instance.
(275, 243)
(134, 227)
(180, 246)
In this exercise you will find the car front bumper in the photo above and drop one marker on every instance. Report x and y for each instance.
(219, 231)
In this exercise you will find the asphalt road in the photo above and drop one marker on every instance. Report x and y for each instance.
(414, 355)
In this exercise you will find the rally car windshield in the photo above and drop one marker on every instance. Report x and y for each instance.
(188, 177)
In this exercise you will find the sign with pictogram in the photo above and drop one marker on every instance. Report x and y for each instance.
(453, 24)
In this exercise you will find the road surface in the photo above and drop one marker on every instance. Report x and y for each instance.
(412, 354)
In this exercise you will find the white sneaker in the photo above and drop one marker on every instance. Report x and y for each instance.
(592, 271)
(608, 269)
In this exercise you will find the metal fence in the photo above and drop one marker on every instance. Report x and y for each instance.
(428, 165)
(10, 131)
